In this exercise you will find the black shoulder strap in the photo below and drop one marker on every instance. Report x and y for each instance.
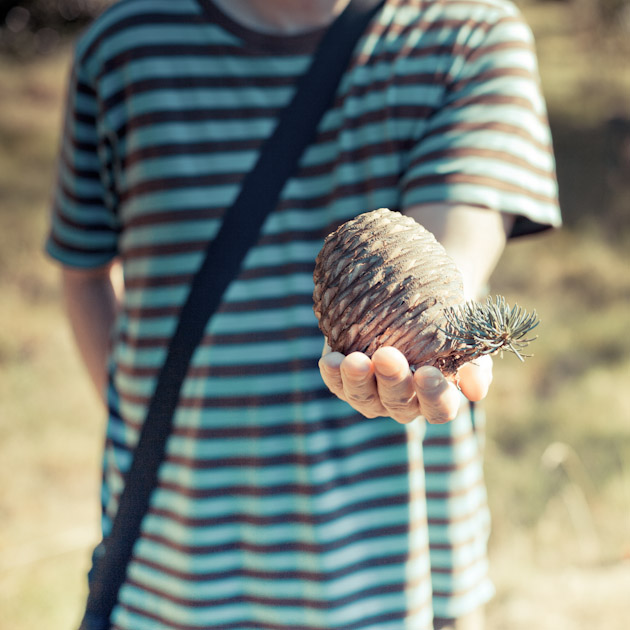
(238, 233)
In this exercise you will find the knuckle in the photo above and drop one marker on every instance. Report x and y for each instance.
(440, 416)
(338, 392)
(401, 410)
(363, 399)
(333, 385)
(398, 408)
(404, 417)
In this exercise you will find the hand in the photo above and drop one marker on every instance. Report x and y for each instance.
(385, 386)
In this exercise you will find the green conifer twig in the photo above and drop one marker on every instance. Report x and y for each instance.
(490, 327)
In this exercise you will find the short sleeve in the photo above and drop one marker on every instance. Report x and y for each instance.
(489, 142)
(84, 226)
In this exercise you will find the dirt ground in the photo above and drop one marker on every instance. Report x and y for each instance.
(539, 597)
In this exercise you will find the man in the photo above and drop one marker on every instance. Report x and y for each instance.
(281, 504)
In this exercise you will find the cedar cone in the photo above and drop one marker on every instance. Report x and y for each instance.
(381, 279)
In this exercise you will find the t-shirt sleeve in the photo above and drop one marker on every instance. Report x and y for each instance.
(84, 227)
(489, 143)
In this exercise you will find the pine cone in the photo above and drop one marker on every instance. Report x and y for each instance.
(382, 279)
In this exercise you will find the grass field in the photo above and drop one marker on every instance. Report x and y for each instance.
(558, 452)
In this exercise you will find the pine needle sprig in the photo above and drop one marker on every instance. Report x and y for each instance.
(490, 327)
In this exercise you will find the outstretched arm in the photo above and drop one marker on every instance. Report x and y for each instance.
(384, 384)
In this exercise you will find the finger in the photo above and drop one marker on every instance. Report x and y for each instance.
(330, 369)
(394, 382)
(475, 378)
(359, 385)
(439, 400)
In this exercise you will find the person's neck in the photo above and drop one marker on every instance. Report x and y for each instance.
(282, 17)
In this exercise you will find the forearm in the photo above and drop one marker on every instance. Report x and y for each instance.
(91, 304)
(473, 237)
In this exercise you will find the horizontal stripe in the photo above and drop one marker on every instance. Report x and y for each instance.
(506, 128)
(309, 460)
(373, 535)
(274, 421)
(373, 622)
(282, 517)
(276, 602)
(452, 466)
(272, 574)
(312, 489)
(481, 181)
(285, 559)
(134, 409)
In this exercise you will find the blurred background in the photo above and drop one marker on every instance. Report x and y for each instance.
(558, 449)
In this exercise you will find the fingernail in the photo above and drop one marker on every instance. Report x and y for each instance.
(388, 370)
(331, 361)
(431, 382)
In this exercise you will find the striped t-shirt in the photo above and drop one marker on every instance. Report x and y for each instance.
(278, 507)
